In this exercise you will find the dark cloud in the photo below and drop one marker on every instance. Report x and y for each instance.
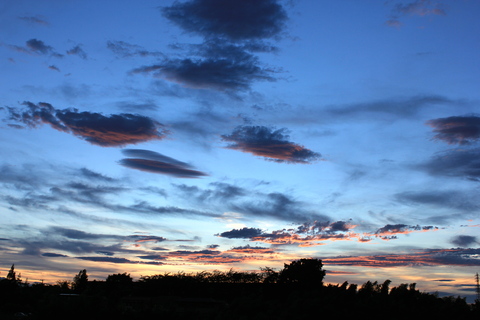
(53, 255)
(78, 51)
(107, 131)
(456, 130)
(138, 238)
(126, 50)
(54, 68)
(244, 233)
(155, 162)
(464, 241)
(218, 67)
(230, 19)
(269, 143)
(36, 46)
(461, 163)
(151, 257)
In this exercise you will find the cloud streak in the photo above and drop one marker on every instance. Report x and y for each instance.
(432, 257)
(116, 130)
(150, 161)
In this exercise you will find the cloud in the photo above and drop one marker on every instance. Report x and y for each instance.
(464, 241)
(106, 131)
(456, 130)
(218, 66)
(315, 233)
(269, 143)
(126, 50)
(455, 163)
(155, 162)
(244, 233)
(229, 19)
(78, 51)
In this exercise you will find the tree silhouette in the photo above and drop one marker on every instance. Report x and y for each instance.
(11, 274)
(80, 281)
(306, 272)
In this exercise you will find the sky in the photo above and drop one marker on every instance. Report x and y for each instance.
(164, 136)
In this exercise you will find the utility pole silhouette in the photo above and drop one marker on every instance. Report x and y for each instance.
(478, 286)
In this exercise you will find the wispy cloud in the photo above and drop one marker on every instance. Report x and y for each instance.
(414, 8)
(251, 203)
(106, 131)
(272, 144)
(38, 20)
(126, 50)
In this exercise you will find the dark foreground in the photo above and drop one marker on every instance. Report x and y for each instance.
(295, 292)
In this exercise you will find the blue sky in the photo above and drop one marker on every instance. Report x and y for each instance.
(195, 135)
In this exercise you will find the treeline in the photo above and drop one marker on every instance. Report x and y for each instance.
(294, 292)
